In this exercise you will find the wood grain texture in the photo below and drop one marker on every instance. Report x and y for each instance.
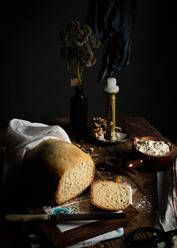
(142, 182)
(91, 230)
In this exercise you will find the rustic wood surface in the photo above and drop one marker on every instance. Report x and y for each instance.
(142, 182)
(90, 230)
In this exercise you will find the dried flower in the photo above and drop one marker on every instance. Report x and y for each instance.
(78, 46)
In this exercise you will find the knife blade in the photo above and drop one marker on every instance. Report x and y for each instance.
(61, 217)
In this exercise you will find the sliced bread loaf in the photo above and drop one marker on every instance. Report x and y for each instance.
(72, 169)
(110, 195)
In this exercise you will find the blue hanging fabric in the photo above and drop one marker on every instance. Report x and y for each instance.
(113, 22)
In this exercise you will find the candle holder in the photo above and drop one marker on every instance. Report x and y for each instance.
(111, 117)
(105, 130)
(112, 135)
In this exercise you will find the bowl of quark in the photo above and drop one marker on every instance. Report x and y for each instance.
(156, 152)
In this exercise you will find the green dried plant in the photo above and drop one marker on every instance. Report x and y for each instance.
(78, 46)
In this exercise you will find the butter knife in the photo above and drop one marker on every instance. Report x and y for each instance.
(61, 217)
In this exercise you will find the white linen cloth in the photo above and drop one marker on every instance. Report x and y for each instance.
(22, 136)
(167, 198)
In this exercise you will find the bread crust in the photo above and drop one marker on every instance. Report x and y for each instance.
(94, 202)
(59, 157)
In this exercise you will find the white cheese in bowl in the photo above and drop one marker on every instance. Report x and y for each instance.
(153, 147)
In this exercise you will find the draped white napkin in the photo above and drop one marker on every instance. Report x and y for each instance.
(24, 135)
(167, 197)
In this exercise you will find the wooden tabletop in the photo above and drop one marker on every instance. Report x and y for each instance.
(143, 182)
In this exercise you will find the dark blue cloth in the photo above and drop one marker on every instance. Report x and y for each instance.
(113, 22)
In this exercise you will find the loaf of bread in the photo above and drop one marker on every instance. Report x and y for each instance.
(110, 195)
(72, 169)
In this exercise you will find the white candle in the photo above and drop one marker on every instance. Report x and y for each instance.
(111, 86)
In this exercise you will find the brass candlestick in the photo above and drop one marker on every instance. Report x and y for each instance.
(111, 117)
(110, 133)
(111, 90)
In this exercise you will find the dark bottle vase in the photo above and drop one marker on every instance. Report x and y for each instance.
(79, 111)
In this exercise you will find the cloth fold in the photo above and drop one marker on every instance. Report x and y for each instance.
(24, 135)
(167, 199)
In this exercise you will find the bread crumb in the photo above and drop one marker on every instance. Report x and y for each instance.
(117, 179)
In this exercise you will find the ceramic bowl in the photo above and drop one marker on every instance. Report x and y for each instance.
(153, 162)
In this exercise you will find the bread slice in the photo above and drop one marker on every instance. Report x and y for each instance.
(72, 169)
(110, 195)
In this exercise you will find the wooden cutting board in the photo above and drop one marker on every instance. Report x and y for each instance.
(62, 239)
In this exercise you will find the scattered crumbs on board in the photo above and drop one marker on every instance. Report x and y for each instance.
(144, 204)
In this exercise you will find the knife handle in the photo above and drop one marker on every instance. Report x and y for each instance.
(26, 217)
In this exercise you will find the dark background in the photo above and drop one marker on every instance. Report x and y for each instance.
(34, 83)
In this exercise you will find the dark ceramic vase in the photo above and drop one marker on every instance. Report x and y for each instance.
(79, 112)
